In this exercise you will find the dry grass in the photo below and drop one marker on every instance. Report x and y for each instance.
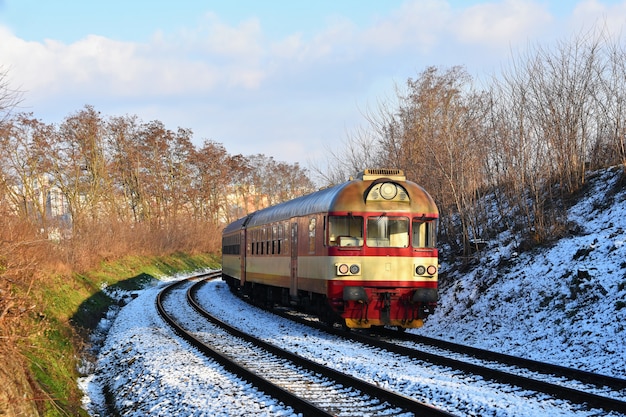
(31, 264)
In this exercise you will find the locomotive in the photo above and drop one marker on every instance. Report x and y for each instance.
(362, 253)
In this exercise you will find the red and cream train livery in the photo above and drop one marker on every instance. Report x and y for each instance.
(362, 253)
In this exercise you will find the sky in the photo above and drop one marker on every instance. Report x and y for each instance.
(288, 79)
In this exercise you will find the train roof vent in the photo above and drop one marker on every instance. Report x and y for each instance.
(373, 174)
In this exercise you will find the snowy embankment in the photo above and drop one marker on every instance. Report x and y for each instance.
(564, 304)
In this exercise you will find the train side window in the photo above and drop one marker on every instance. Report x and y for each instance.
(312, 223)
(424, 233)
(345, 231)
(230, 245)
(286, 237)
(263, 240)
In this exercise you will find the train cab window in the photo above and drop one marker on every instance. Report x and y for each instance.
(345, 231)
(424, 233)
(387, 232)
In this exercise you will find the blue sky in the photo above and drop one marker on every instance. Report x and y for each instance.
(289, 79)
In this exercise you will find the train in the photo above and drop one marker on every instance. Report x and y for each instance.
(362, 253)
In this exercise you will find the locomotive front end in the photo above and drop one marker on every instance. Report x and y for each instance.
(383, 257)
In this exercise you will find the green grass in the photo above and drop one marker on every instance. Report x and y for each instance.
(69, 307)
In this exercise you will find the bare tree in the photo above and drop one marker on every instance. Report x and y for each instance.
(211, 182)
(25, 180)
(291, 181)
(123, 138)
(359, 151)
(555, 111)
(435, 136)
(240, 199)
(164, 173)
(10, 98)
(76, 161)
(609, 147)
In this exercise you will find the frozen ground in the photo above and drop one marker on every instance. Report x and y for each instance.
(565, 304)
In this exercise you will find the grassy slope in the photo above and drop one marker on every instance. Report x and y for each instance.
(69, 306)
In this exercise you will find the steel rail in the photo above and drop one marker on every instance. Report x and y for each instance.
(398, 400)
(297, 403)
(575, 396)
(600, 380)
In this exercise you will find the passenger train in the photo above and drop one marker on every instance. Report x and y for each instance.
(362, 253)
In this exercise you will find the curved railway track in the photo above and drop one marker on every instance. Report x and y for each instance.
(574, 385)
(309, 388)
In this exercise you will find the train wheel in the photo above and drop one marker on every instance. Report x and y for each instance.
(269, 298)
(328, 318)
(344, 326)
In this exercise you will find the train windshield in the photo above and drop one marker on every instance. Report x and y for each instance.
(345, 231)
(424, 233)
(387, 232)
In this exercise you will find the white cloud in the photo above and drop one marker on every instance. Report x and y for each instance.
(215, 55)
(288, 46)
(241, 43)
(501, 23)
(592, 13)
(419, 23)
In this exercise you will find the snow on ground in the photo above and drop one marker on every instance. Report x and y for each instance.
(146, 370)
(564, 304)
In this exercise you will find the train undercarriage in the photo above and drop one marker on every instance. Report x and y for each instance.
(360, 307)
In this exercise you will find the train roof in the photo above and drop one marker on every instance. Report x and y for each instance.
(317, 202)
(236, 225)
(351, 196)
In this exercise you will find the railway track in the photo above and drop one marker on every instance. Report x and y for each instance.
(575, 386)
(307, 387)
(389, 340)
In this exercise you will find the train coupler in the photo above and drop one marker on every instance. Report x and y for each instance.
(356, 312)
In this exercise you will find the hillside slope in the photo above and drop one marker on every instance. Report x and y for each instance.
(564, 304)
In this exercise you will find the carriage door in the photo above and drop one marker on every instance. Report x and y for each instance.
(243, 255)
(293, 288)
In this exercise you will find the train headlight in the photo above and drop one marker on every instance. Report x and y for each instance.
(345, 269)
(388, 191)
(421, 270)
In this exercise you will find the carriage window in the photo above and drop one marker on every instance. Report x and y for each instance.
(345, 231)
(387, 232)
(231, 245)
(424, 233)
(312, 223)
